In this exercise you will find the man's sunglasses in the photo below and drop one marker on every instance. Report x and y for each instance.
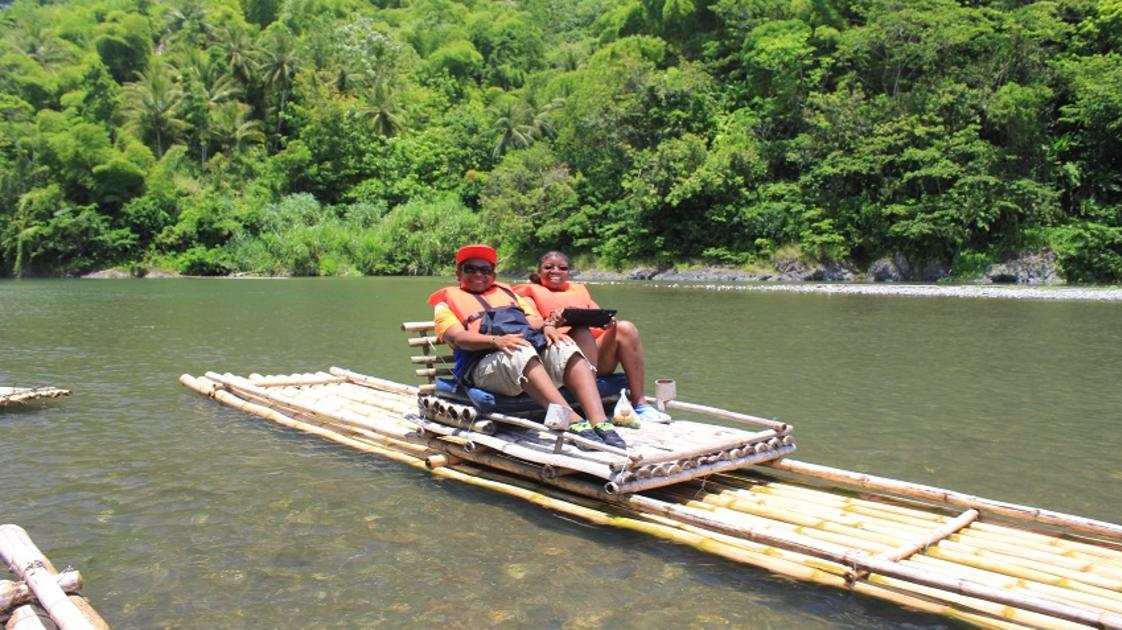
(551, 266)
(481, 269)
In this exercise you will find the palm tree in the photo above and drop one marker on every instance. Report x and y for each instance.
(239, 52)
(279, 65)
(511, 127)
(208, 86)
(542, 120)
(152, 104)
(188, 19)
(384, 114)
(232, 128)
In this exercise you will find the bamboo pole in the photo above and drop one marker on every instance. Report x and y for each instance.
(30, 617)
(296, 379)
(724, 414)
(958, 499)
(413, 327)
(28, 563)
(429, 359)
(371, 381)
(14, 594)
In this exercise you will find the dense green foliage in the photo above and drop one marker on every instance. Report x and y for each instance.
(340, 136)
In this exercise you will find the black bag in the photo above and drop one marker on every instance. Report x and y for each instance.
(510, 320)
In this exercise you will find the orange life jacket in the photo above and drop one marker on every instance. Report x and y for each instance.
(466, 305)
(547, 301)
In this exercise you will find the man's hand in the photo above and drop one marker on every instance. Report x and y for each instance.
(510, 343)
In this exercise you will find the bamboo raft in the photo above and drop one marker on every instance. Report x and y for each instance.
(41, 597)
(12, 395)
(987, 562)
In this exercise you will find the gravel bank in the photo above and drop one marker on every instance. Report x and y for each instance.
(1093, 294)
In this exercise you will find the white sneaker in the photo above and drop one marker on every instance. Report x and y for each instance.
(648, 413)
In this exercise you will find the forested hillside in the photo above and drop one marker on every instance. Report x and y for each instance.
(374, 137)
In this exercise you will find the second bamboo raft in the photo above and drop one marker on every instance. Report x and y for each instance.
(990, 563)
(12, 395)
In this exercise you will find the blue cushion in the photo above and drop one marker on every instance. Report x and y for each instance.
(487, 402)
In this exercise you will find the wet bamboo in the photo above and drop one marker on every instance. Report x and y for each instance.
(28, 563)
(412, 447)
(242, 385)
(1018, 532)
(1043, 574)
(807, 516)
(882, 503)
(1106, 600)
(203, 386)
(18, 593)
(1037, 515)
(851, 510)
(994, 614)
(809, 532)
(1081, 574)
(1031, 553)
(859, 561)
(1043, 553)
(833, 532)
(1029, 587)
(724, 414)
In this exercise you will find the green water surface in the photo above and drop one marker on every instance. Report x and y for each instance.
(182, 513)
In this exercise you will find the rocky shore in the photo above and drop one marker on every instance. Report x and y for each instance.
(1029, 276)
(1095, 294)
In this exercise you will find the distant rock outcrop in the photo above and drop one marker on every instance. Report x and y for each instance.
(1030, 268)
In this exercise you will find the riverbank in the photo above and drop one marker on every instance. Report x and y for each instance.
(1094, 294)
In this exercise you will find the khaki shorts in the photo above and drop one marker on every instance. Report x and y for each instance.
(505, 374)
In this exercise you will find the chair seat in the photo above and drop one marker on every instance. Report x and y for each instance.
(488, 402)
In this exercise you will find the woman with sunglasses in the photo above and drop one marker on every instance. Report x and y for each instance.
(509, 364)
(618, 344)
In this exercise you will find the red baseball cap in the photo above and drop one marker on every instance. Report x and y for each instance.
(486, 252)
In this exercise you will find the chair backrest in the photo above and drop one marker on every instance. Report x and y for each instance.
(434, 360)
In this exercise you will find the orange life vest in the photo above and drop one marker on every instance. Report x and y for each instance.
(466, 305)
(547, 301)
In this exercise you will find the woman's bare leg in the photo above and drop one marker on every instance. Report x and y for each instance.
(621, 345)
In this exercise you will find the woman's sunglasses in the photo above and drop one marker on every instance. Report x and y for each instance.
(551, 266)
(482, 269)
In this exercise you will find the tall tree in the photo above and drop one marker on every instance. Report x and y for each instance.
(152, 106)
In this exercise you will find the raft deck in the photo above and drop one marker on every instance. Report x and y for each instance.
(987, 562)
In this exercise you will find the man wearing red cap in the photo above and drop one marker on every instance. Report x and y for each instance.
(509, 364)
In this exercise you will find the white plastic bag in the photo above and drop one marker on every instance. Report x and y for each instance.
(624, 414)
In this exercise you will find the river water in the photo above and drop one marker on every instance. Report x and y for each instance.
(183, 513)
